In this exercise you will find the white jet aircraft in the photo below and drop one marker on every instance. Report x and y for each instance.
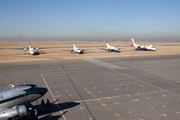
(77, 50)
(31, 50)
(145, 47)
(111, 48)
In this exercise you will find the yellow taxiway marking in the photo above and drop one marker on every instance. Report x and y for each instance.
(129, 93)
(92, 94)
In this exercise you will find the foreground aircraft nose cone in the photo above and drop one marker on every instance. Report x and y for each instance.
(41, 91)
(44, 90)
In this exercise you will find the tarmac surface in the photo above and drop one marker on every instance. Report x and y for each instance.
(124, 88)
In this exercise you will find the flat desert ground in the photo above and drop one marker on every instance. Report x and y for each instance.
(61, 50)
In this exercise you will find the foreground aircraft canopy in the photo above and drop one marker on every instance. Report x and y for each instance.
(145, 47)
(13, 100)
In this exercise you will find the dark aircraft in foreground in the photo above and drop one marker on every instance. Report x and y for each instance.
(14, 100)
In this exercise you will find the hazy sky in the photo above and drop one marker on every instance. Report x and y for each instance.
(89, 20)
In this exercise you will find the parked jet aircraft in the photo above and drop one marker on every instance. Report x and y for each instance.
(31, 50)
(111, 48)
(13, 100)
(145, 47)
(77, 50)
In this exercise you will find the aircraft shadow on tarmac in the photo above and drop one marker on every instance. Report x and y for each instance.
(113, 51)
(47, 115)
(36, 53)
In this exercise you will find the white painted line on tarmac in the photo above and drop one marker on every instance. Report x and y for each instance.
(53, 97)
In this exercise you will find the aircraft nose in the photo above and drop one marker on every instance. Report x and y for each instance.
(43, 91)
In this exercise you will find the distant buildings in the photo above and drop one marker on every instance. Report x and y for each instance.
(4, 41)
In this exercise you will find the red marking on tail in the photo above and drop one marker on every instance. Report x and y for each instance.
(133, 42)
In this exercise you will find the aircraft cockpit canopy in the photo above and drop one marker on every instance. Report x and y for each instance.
(32, 85)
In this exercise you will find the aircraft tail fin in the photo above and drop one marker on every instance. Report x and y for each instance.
(74, 45)
(133, 43)
(107, 43)
(29, 44)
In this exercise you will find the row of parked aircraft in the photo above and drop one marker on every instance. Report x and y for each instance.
(116, 49)
(34, 51)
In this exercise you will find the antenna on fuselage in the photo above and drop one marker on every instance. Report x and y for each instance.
(11, 85)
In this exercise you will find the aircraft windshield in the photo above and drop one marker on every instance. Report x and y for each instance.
(33, 86)
(1, 97)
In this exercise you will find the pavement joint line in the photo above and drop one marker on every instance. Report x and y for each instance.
(148, 84)
(115, 96)
(92, 94)
(154, 77)
(53, 97)
(152, 65)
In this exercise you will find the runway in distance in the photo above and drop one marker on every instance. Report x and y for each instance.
(14, 100)
(145, 47)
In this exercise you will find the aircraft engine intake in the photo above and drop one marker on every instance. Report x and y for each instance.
(37, 49)
(15, 111)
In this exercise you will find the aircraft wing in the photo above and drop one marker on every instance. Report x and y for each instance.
(123, 48)
(66, 50)
(86, 49)
(45, 47)
(102, 48)
(28, 48)
(12, 48)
